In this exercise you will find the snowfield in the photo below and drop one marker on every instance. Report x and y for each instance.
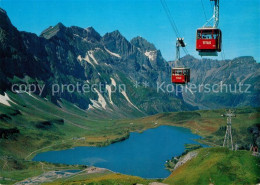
(108, 88)
(113, 82)
(91, 54)
(101, 100)
(126, 97)
(113, 54)
(150, 54)
(5, 100)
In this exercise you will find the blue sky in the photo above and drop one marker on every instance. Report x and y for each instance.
(239, 20)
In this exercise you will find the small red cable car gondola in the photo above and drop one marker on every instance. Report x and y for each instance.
(208, 41)
(180, 75)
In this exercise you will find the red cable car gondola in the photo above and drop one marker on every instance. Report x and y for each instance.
(180, 75)
(208, 41)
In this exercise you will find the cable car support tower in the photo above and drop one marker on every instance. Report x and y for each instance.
(215, 17)
(228, 142)
(179, 43)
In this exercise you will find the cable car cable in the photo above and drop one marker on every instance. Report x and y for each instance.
(186, 50)
(167, 11)
(223, 53)
(171, 20)
(203, 8)
(211, 5)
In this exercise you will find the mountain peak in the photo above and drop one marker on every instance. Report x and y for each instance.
(2, 11)
(244, 60)
(143, 44)
(89, 34)
(116, 42)
(92, 34)
(188, 57)
(90, 29)
(52, 31)
(60, 25)
(4, 20)
(114, 34)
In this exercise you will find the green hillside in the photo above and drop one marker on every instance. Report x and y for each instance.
(218, 166)
(103, 179)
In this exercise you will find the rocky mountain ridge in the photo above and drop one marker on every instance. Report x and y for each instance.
(71, 55)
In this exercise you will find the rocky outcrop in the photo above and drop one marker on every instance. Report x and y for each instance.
(185, 159)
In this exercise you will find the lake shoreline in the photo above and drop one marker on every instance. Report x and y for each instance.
(157, 145)
(116, 140)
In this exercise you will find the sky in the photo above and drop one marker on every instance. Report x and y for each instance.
(239, 21)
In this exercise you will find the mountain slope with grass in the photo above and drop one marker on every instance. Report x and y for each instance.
(218, 166)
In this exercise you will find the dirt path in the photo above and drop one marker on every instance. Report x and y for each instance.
(53, 175)
(46, 177)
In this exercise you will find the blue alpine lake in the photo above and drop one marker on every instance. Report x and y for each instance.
(143, 154)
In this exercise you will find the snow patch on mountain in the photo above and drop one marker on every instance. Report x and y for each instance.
(79, 58)
(108, 88)
(126, 97)
(95, 104)
(150, 54)
(101, 100)
(76, 35)
(87, 59)
(91, 54)
(113, 82)
(30, 94)
(90, 107)
(5, 100)
(113, 54)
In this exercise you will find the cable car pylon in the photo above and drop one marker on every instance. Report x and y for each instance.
(228, 141)
(215, 16)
